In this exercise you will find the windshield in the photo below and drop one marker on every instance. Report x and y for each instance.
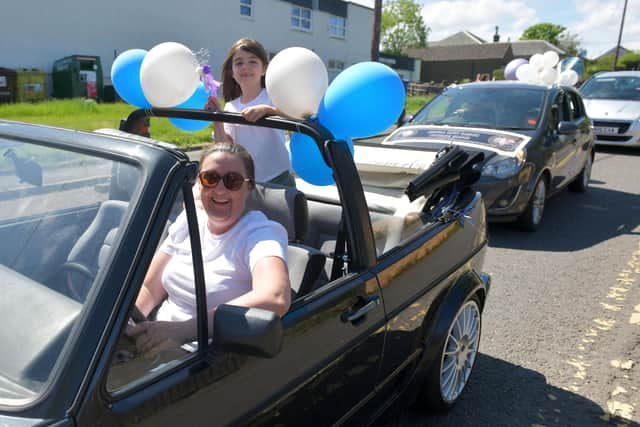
(619, 87)
(60, 212)
(509, 108)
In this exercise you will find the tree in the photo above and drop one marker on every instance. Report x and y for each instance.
(557, 35)
(630, 61)
(543, 31)
(402, 26)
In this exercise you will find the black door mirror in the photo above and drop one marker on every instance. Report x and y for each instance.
(250, 331)
(567, 128)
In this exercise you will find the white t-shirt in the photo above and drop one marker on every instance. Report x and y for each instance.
(266, 146)
(228, 261)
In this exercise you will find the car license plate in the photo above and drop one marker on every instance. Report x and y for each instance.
(606, 130)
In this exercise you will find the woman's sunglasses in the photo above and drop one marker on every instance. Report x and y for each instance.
(231, 180)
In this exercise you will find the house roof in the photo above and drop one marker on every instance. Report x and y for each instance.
(461, 52)
(612, 52)
(526, 48)
(461, 37)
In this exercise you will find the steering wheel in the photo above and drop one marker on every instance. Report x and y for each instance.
(77, 288)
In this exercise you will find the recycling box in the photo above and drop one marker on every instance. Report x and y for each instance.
(7, 85)
(78, 76)
(30, 85)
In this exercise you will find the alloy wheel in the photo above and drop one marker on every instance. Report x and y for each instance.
(460, 351)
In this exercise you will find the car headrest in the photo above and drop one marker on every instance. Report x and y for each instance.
(282, 204)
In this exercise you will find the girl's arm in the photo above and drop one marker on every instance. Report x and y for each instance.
(219, 134)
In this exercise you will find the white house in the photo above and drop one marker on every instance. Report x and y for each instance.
(35, 33)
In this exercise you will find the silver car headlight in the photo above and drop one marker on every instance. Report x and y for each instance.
(505, 167)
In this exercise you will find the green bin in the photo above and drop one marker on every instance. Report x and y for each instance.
(78, 76)
(7, 85)
(30, 85)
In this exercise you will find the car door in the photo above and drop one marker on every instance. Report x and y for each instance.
(331, 355)
(562, 146)
(584, 134)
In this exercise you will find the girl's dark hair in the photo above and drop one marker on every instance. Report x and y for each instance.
(230, 88)
(236, 150)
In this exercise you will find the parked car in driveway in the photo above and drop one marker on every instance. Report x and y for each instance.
(612, 100)
(536, 140)
(385, 302)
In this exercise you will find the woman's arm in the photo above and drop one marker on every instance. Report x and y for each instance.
(271, 288)
(152, 292)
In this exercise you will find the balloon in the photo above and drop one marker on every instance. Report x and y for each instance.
(362, 101)
(125, 75)
(548, 76)
(551, 58)
(537, 62)
(510, 69)
(169, 74)
(526, 73)
(568, 78)
(308, 162)
(572, 63)
(296, 80)
(197, 100)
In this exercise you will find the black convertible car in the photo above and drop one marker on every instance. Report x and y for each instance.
(536, 141)
(385, 300)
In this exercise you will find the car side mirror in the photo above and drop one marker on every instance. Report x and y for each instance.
(407, 118)
(567, 128)
(249, 331)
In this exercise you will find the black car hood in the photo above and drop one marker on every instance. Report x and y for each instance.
(490, 141)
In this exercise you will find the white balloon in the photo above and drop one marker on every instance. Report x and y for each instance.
(296, 81)
(169, 74)
(548, 76)
(526, 73)
(568, 77)
(537, 62)
(551, 58)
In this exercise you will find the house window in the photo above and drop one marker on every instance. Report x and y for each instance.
(246, 8)
(335, 65)
(337, 26)
(301, 18)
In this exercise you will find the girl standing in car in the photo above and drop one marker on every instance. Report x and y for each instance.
(243, 89)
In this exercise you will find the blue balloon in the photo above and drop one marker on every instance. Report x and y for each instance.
(197, 100)
(125, 75)
(363, 100)
(308, 162)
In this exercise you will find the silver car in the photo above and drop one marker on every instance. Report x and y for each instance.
(612, 100)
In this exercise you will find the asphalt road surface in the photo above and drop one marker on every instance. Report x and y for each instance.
(560, 342)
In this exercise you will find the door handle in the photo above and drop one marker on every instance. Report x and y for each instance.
(356, 313)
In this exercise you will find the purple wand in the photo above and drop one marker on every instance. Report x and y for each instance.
(210, 84)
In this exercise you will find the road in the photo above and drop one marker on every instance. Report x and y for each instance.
(560, 342)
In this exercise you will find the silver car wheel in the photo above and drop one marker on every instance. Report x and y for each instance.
(539, 199)
(460, 351)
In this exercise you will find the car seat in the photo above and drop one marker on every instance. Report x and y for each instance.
(92, 249)
(288, 206)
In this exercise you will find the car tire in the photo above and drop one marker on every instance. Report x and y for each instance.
(531, 218)
(581, 183)
(449, 374)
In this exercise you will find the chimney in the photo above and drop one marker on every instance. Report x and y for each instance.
(496, 36)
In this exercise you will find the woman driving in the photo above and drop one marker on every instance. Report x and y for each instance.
(243, 253)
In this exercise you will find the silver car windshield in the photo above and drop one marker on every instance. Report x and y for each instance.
(625, 88)
(508, 108)
(60, 216)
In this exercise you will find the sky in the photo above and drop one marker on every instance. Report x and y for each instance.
(596, 22)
